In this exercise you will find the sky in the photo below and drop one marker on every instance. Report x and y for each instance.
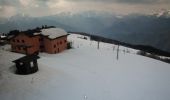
(38, 8)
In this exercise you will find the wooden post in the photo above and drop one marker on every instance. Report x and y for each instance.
(118, 52)
(98, 45)
(113, 48)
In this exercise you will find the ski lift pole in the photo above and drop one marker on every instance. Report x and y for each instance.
(117, 52)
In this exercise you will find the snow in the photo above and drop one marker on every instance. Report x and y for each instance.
(53, 32)
(7, 47)
(86, 73)
(162, 13)
(2, 36)
(36, 33)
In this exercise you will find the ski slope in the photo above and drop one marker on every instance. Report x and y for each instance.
(86, 73)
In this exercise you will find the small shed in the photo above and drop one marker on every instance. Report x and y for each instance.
(27, 64)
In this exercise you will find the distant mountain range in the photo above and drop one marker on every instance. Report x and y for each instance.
(153, 29)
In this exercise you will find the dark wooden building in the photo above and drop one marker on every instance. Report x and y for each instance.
(27, 64)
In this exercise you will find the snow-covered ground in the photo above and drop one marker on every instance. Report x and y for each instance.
(86, 73)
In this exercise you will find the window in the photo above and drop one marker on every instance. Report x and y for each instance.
(40, 39)
(18, 41)
(65, 41)
(32, 64)
(60, 42)
(41, 46)
(23, 41)
(13, 40)
(54, 46)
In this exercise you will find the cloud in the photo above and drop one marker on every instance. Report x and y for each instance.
(143, 1)
(124, 1)
(8, 8)
(49, 7)
(7, 11)
(9, 2)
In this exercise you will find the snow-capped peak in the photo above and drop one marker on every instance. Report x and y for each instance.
(163, 13)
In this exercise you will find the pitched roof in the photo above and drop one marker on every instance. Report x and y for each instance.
(27, 58)
(53, 33)
(28, 33)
